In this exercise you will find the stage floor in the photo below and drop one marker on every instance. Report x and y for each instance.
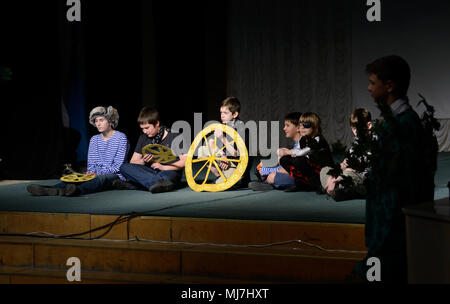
(242, 204)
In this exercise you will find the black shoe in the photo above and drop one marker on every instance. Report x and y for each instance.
(119, 184)
(259, 186)
(70, 190)
(344, 194)
(38, 190)
(292, 189)
(321, 190)
(162, 186)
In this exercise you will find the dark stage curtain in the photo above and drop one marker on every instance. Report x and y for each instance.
(31, 112)
(99, 61)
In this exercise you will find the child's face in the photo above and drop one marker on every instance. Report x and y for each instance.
(305, 131)
(102, 124)
(226, 115)
(149, 129)
(290, 130)
(378, 89)
(369, 126)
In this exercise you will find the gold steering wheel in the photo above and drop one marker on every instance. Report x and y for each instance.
(161, 154)
(77, 178)
(214, 156)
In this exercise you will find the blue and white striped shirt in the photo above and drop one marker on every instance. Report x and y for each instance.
(106, 156)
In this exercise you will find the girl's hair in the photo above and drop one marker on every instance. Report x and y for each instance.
(360, 116)
(293, 118)
(314, 120)
(148, 115)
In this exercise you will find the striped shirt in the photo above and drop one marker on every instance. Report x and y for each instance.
(106, 156)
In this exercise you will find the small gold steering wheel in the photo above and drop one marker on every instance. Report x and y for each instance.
(77, 178)
(161, 154)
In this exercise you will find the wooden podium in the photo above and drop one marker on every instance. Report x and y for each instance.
(428, 242)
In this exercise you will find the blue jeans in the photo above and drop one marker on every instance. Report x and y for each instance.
(283, 181)
(147, 176)
(100, 183)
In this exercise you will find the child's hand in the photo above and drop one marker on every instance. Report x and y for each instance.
(91, 174)
(283, 152)
(147, 158)
(183, 157)
(331, 183)
(157, 166)
(218, 133)
(224, 165)
(344, 165)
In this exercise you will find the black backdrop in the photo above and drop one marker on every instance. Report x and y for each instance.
(40, 47)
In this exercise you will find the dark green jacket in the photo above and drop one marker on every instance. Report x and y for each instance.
(401, 176)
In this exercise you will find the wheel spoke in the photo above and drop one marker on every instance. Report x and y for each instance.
(224, 146)
(207, 144)
(220, 171)
(200, 170)
(229, 160)
(207, 173)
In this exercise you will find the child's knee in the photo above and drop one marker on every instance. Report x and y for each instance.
(124, 168)
(271, 178)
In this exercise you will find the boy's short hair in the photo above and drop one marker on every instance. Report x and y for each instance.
(293, 118)
(148, 115)
(360, 116)
(314, 120)
(233, 104)
(393, 68)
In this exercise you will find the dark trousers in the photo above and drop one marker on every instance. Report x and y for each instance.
(100, 183)
(305, 173)
(146, 176)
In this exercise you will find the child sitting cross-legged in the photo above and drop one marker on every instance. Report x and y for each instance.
(346, 181)
(278, 177)
(143, 173)
(305, 162)
(229, 115)
(107, 151)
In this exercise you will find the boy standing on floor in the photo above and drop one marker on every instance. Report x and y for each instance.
(142, 172)
(401, 173)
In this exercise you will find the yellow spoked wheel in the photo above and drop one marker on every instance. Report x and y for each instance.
(76, 178)
(161, 154)
(213, 158)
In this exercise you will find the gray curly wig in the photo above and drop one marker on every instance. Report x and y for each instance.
(109, 113)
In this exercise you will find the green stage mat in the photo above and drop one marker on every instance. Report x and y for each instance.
(233, 204)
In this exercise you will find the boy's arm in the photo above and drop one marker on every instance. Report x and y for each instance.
(223, 138)
(176, 166)
(137, 159)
